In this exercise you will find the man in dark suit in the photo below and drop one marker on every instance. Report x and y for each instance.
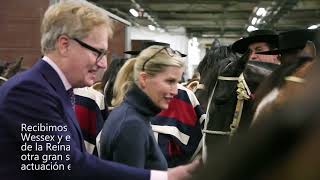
(39, 133)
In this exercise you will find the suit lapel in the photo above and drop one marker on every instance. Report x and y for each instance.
(55, 82)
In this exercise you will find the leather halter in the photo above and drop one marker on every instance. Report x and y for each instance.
(3, 78)
(244, 93)
(295, 79)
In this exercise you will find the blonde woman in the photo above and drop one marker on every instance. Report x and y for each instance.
(146, 84)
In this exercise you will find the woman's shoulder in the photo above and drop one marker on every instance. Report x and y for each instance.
(125, 113)
(128, 121)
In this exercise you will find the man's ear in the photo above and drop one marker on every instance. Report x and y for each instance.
(63, 43)
(142, 79)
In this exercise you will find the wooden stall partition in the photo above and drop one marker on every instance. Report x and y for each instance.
(20, 22)
(20, 29)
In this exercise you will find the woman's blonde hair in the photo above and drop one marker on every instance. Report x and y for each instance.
(152, 60)
(73, 18)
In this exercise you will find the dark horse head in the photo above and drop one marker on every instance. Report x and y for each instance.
(221, 82)
(9, 69)
(208, 69)
(284, 144)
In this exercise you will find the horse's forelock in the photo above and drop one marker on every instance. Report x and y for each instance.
(209, 69)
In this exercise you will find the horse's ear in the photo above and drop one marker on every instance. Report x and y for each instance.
(215, 44)
(309, 51)
(21, 58)
(17, 64)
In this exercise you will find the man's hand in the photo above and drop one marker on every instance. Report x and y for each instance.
(183, 172)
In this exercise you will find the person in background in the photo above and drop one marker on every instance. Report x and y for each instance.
(258, 41)
(92, 105)
(178, 128)
(291, 42)
(91, 113)
(146, 83)
(39, 103)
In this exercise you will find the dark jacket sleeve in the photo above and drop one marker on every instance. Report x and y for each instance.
(31, 103)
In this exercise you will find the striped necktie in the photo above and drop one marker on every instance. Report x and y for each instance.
(72, 97)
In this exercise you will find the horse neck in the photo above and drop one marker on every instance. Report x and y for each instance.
(279, 88)
(202, 97)
(256, 72)
(293, 83)
(302, 71)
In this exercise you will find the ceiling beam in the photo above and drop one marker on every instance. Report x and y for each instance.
(278, 10)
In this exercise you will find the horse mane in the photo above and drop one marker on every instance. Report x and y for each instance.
(212, 57)
(109, 78)
(12, 68)
(202, 66)
(212, 63)
(203, 63)
(9, 69)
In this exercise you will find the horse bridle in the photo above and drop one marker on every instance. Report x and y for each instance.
(3, 78)
(244, 93)
(198, 87)
(295, 79)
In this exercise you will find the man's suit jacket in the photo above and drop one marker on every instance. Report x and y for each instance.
(37, 99)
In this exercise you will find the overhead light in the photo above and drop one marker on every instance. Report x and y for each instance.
(254, 20)
(251, 28)
(151, 27)
(194, 39)
(208, 35)
(261, 12)
(134, 12)
(313, 26)
(258, 21)
(142, 13)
